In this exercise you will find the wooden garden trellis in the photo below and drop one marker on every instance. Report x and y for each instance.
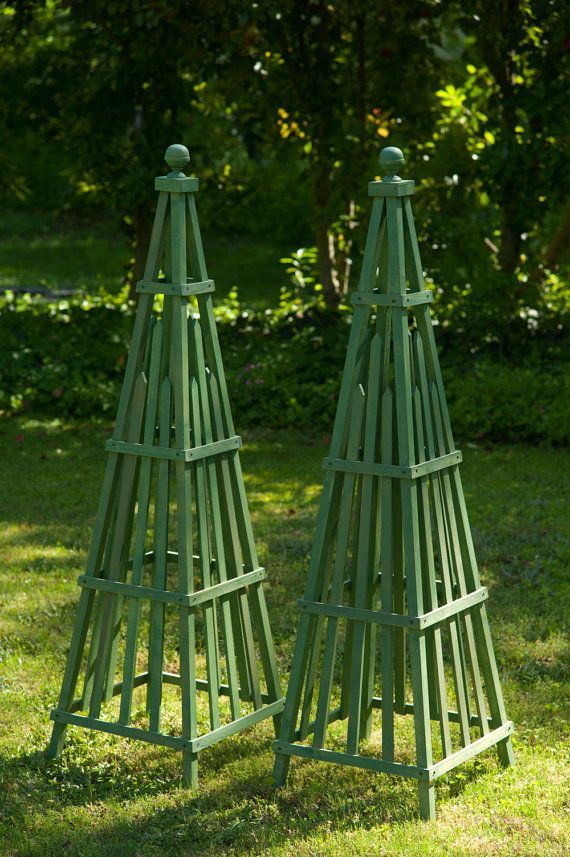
(174, 430)
(393, 570)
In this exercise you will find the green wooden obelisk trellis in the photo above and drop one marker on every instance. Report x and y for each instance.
(173, 480)
(394, 616)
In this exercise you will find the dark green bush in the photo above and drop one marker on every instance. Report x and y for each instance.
(284, 366)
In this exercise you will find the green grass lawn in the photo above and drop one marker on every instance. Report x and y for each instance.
(107, 796)
(35, 251)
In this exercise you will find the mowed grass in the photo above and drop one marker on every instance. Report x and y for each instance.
(108, 796)
(36, 250)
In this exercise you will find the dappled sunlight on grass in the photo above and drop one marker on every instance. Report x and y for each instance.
(110, 796)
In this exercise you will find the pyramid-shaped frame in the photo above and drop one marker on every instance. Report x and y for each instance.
(394, 617)
(172, 558)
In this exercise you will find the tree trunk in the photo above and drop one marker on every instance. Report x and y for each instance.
(559, 243)
(328, 276)
(509, 252)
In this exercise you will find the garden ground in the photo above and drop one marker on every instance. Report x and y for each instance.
(106, 796)
(61, 253)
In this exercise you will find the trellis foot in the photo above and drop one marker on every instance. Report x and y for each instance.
(280, 770)
(189, 770)
(57, 741)
(426, 793)
(506, 753)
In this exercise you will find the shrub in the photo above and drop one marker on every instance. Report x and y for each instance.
(284, 366)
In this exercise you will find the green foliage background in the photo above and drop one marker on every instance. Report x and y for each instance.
(284, 106)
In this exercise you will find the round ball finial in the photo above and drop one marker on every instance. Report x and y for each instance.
(391, 160)
(177, 156)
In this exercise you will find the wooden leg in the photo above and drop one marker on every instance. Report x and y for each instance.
(189, 769)
(280, 769)
(426, 793)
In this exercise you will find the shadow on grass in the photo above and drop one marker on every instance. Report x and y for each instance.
(234, 807)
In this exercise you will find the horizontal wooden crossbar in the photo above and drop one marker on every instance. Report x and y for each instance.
(163, 287)
(244, 722)
(194, 745)
(204, 685)
(415, 471)
(412, 771)
(173, 678)
(471, 750)
(396, 300)
(357, 614)
(414, 623)
(365, 762)
(217, 447)
(172, 741)
(181, 599)
(376, 702)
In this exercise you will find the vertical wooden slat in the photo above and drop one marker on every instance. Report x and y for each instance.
(336, 593)
(386, 583)
(111, 604)
(452, 552)
(241, 622)
(129, 667)
(480, 621)
(161, 517)
(442, 541)
(434, 639)
(364, 547)
(217, 526)
(179, 374)
(414, 586)
(471, 644)
(204, 556)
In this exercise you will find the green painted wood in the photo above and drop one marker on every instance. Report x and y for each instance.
(392, 503)
(366, 762)
(442, 542)
(398, 589)
(394, 620)
(386, 582)
(234, 484)
(120, 729)
(272, 709)
(460, 576)
(139, 555)
(224, 586)
(204, 552)
(364, 549)
(182, 289)
(460, 675)
(176, 186)
(223, 574)
(452, 715)
(395, 471)
(393, 300)
(399, 189)
(241, 560)
(231, 545)
(190, 601)
(337, 580)
(112, 605)
(161, 517)
(484, 743)
(408, 496)
(207, 450)
(437, 688)
(360, 380)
